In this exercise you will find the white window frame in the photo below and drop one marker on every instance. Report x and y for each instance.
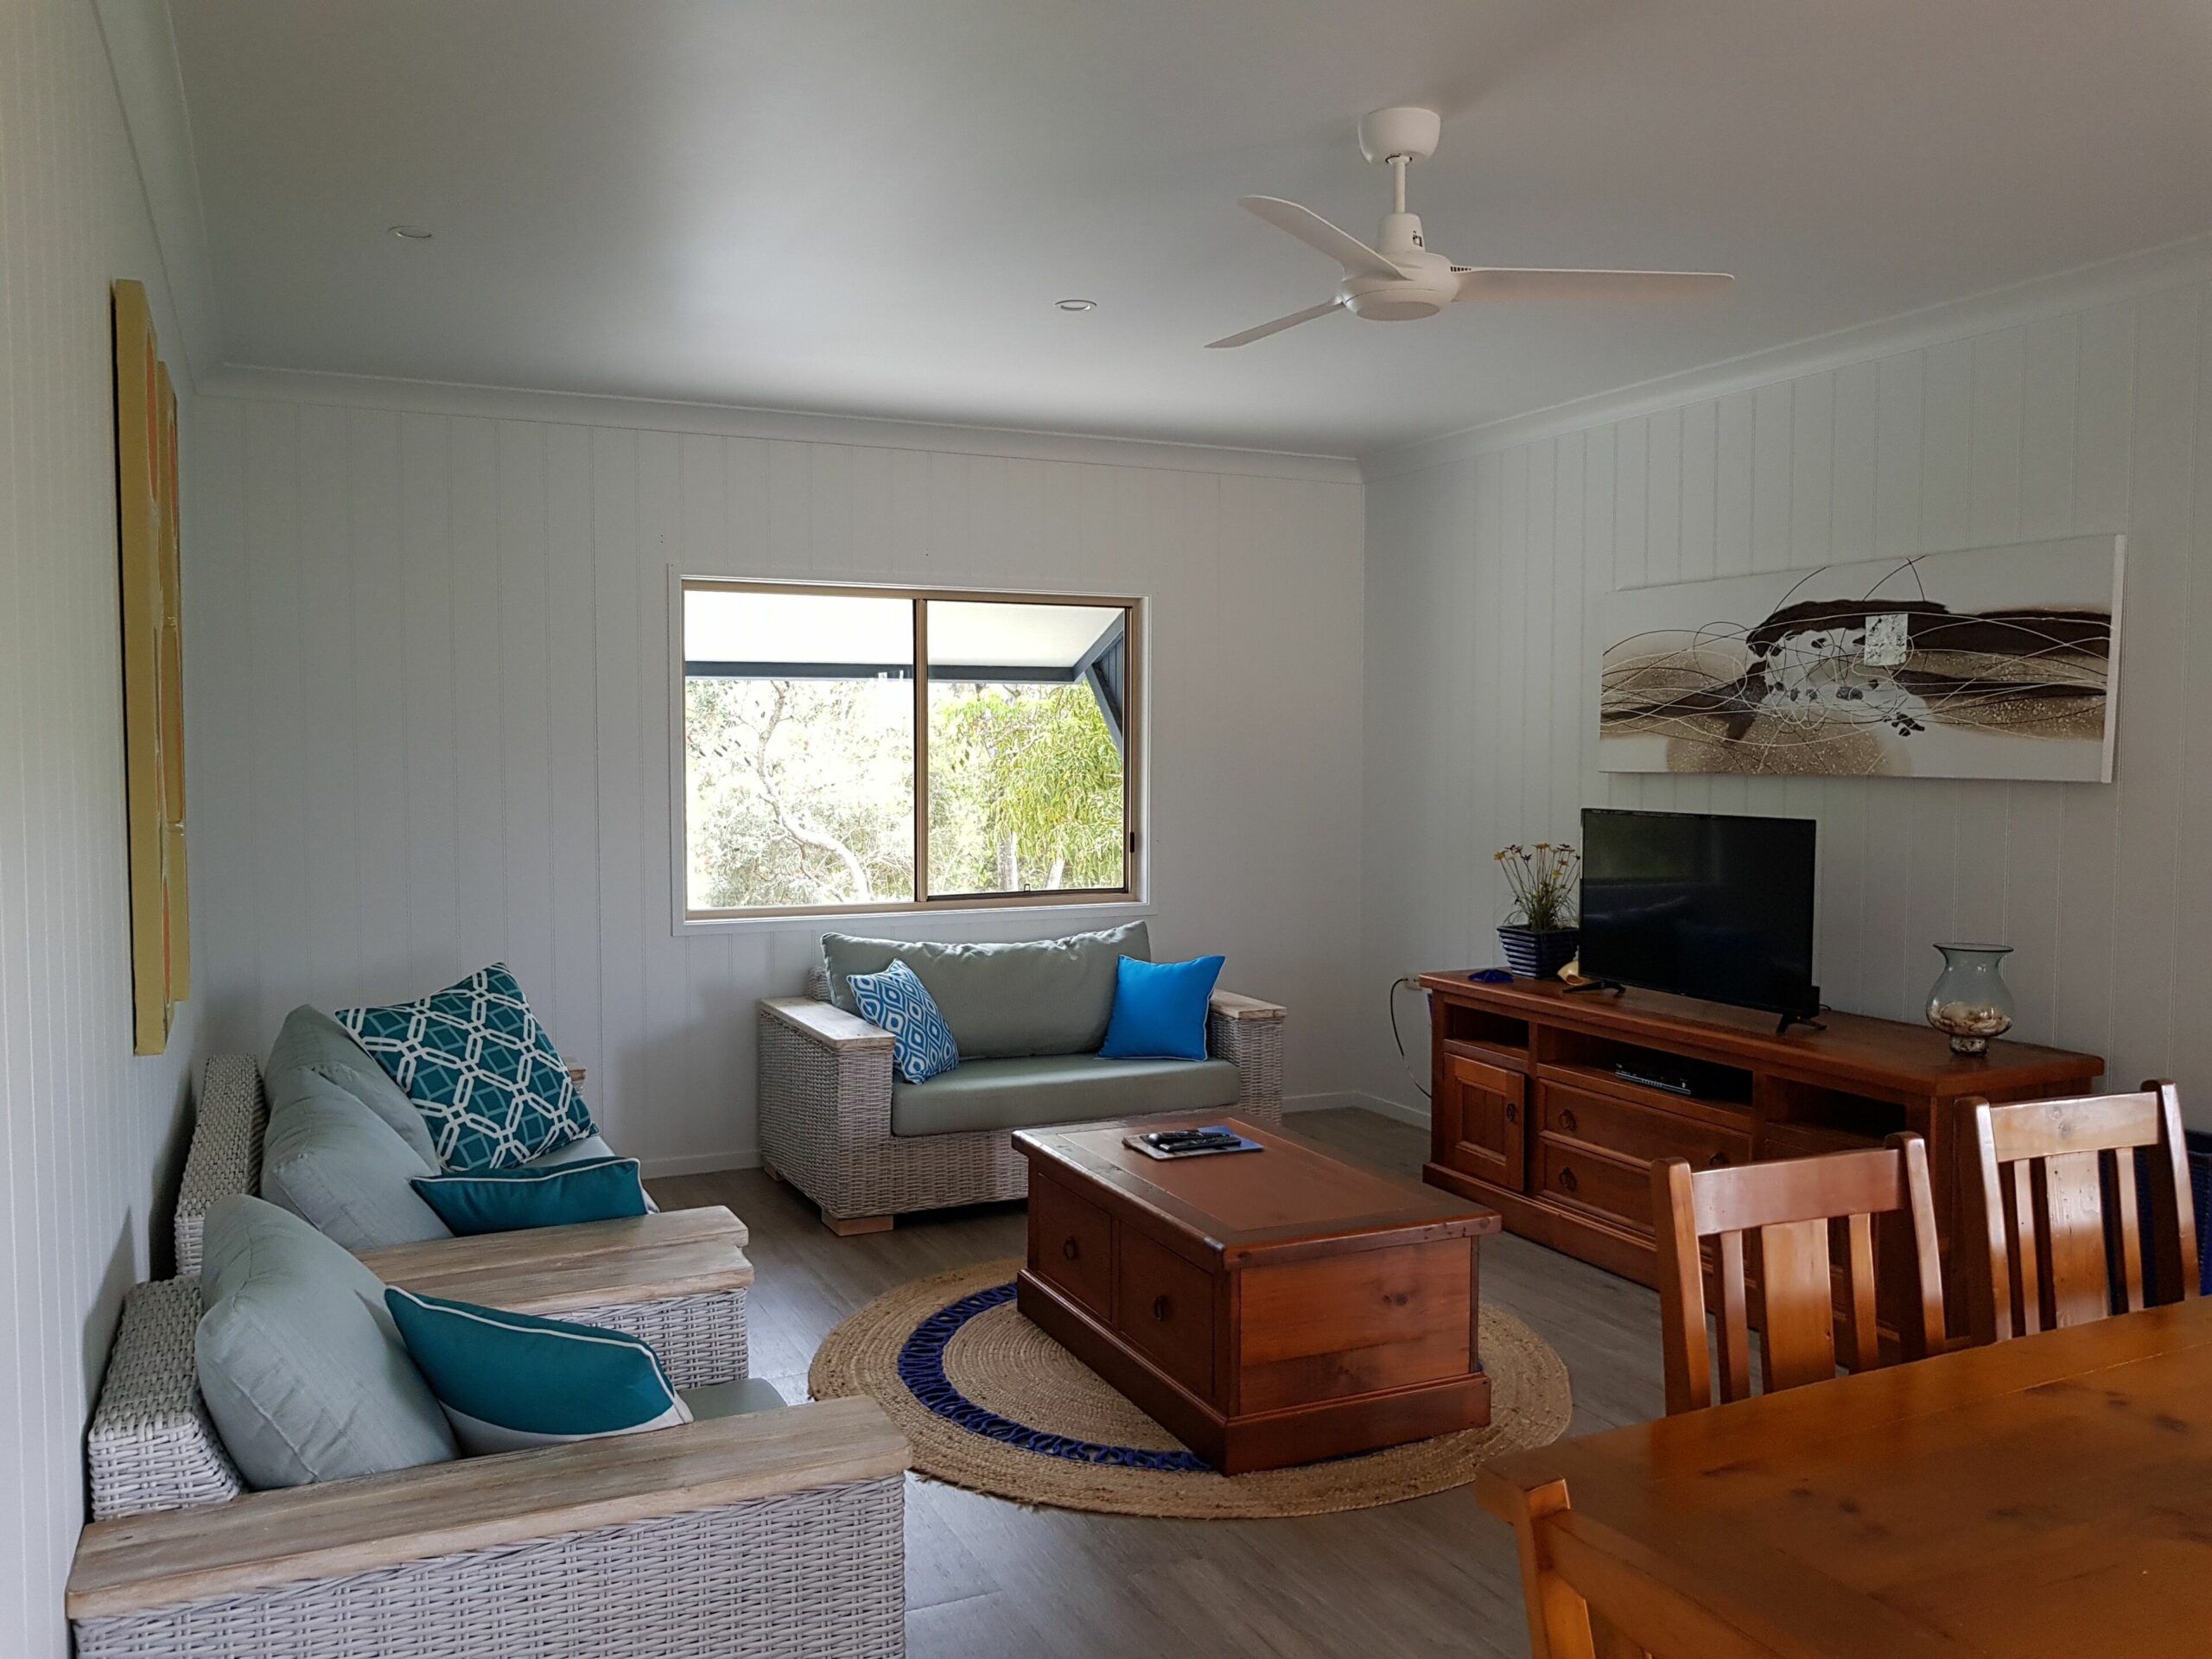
(1131, 896)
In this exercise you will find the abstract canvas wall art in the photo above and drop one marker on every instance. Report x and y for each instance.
(152, 673)
(1996, 661)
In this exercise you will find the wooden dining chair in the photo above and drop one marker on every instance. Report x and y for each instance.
(2051, 1254)
(1792, 1208)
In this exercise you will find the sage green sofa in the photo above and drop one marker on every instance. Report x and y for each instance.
(866, 1145)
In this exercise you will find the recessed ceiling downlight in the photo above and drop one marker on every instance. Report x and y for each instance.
(413, 233)
(1077, 305)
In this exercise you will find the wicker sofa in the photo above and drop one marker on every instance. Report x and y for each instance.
(776, 1533)
(679, 1279)
(829, 1108)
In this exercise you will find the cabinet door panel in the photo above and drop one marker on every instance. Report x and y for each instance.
(1481, 1121)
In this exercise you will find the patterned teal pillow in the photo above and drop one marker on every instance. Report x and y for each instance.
(481, 1069)
(896, 1000)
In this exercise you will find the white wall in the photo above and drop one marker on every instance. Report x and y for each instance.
(86, 1131)
(1479, 719)
(432, 704)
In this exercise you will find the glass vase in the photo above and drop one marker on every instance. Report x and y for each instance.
(1971, 1000)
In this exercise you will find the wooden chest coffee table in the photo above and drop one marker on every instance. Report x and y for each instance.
(1267, 1307)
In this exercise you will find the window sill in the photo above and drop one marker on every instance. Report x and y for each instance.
(1116, 910)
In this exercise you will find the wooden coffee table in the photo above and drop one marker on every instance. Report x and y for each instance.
(1267, 1307)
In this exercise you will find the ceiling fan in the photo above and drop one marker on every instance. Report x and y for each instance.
(1400, 279)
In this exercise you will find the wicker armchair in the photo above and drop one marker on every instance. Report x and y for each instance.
(677, 1279)
(825, 1111)
(780, 1533)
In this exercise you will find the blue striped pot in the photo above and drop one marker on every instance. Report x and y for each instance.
(1535, 955)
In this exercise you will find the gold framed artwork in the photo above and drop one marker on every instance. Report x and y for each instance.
(148, 537)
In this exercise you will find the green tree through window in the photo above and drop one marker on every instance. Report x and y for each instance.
(800, 787)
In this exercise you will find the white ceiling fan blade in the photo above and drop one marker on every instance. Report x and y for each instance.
(1309, 227)
(1494, 283)
(1276, 326)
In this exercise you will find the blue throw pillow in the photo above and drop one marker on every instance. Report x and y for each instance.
(1159, 1009)
(896, 1000)
(505, 1200)
(481, 1069)
(508, 1381)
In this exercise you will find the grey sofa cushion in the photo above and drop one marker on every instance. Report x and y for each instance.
(740, 1398)
(576, 1152)
(314, 1046)
(1047, 996)
(301, 1367)
(339, 1166)
(1024, 1093)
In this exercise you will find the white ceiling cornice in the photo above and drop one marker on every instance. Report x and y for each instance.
(723, 420)
(2104, 283)
(143, 56)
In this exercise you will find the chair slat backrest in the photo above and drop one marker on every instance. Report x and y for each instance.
(2061, 1218)
(1803, 1217)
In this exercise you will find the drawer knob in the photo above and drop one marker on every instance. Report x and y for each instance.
(1567, 1122)
(1071, 1249)
(1162, 1308)
(1566, 1182)
(1512, 1113)
(1719, 1160)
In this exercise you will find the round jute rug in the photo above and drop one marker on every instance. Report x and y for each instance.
(992, 1404)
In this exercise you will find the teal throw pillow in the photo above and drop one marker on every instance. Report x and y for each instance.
(1159, 1009)
(506, 1201)
(508, 1381)
(896, 1000)
(480, 1068)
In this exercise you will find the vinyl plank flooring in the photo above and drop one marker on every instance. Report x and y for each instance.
(987, 1578)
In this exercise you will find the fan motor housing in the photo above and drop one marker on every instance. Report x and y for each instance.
(1428, 285)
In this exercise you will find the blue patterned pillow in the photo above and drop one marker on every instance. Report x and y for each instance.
(481, 1069)
(897, 999)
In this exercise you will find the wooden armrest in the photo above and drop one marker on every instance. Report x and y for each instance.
(548, 1270)
(552, 1287)
(821, 1022)
(268, 1538)
(1233, 1006)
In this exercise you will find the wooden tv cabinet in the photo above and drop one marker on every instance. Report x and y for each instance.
(1530, 1117)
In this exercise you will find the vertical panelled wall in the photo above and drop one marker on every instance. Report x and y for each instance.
(87, 1130)
(435, 718)
(1481, 684)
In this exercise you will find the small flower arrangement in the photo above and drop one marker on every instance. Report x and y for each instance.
(1545, 881)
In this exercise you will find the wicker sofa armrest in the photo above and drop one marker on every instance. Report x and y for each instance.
(1228, 1005)
(823, 1024)
(678, 1279)
(825, 1101)
(267, 1540)
(225, 1157)
(151, 1443)
(499, 1270)
(1248, 1033)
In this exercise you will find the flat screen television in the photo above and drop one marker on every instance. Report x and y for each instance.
(1701, 905)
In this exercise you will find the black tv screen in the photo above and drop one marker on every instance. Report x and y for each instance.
(1701, 905)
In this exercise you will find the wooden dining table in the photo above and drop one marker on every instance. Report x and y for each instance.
(2047, 1496)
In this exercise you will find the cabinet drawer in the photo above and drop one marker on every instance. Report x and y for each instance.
(1622, 1190)
(1071, 1242)
(1637, 1132)
(1164, 1306)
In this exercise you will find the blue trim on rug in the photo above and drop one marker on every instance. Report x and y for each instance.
(921, 1368)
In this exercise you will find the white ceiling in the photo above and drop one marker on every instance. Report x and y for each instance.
(870, 208)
